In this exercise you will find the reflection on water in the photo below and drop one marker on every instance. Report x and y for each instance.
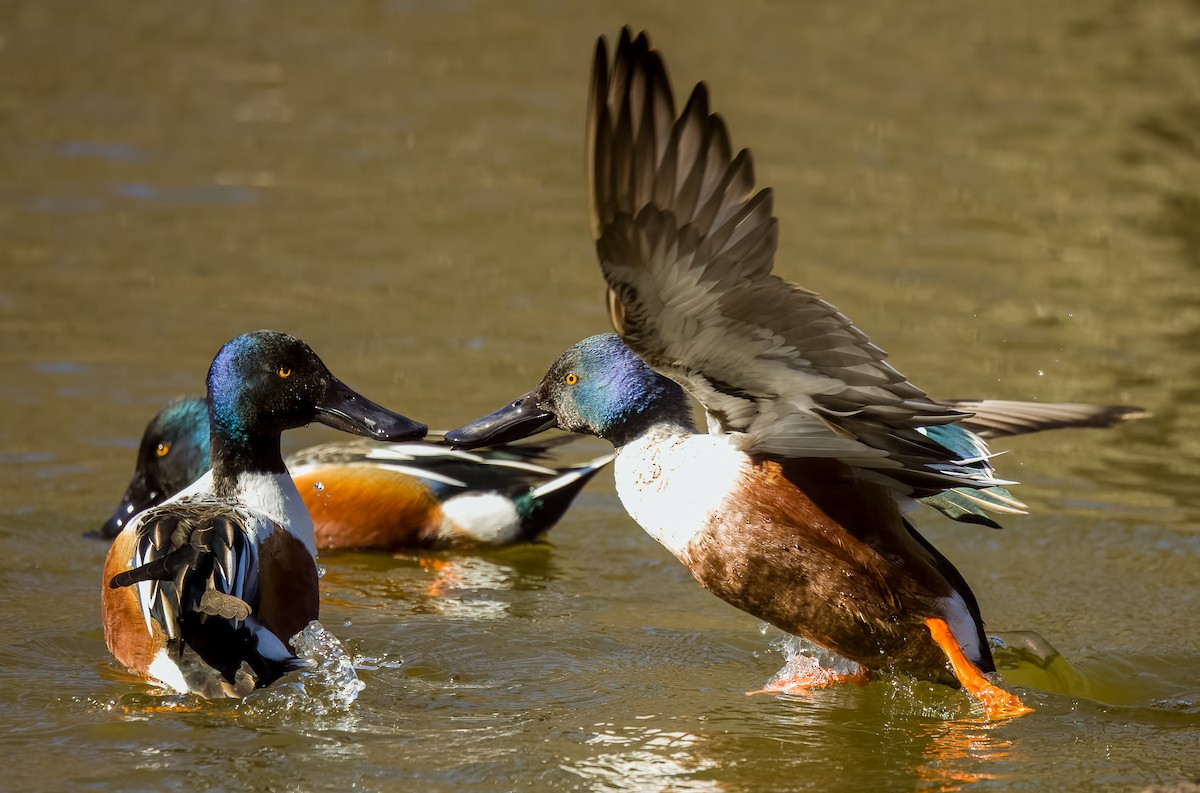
(467, 587)
(960, 752)
(464, 586)
(637, 759)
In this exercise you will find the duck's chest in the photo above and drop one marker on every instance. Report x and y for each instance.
(270, 499)
(276, 496)
(676, 486)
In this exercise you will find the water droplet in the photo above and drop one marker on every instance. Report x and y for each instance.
(318, 485)
(1040, 373)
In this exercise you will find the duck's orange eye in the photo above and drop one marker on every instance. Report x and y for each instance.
(162, 449)
(284, 372)
(571, 378)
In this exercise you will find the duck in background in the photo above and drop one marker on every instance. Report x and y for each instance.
(203, 592)
(790, 507)
(367, 495)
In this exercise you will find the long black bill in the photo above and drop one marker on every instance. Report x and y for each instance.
(138, 497)
(346, 410)
(518, 419)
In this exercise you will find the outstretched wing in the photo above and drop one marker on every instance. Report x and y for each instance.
(686, 245)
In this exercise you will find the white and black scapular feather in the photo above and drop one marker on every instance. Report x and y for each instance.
(197, 575)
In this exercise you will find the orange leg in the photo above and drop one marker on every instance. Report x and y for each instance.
(998, 703)
(814, 678)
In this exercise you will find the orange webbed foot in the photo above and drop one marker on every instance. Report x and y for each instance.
(811, 678)
(998, 703)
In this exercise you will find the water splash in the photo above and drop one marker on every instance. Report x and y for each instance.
(373, 663)
(901, 692)
(328, 687)
(908, 696)
(802, 656)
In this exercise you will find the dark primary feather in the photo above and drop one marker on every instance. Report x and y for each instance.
(686, 244)
(997, 418)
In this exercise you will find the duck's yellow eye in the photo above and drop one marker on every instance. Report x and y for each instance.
(162, 449)
(284, 372)
(571, 378)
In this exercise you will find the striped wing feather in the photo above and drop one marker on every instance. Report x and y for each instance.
(999, 418)
(197, 573)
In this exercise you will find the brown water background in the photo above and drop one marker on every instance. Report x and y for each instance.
(1006, 196)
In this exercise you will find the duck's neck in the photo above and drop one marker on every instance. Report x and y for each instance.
(666, 413)
(235, 457)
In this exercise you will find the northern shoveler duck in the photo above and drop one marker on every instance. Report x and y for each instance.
(379, 496)
(203, 592)
(790, 507)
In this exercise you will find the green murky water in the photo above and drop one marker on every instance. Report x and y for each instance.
(1006, 196)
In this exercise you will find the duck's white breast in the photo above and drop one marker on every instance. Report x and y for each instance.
(276, 496)
(272, 495)
(673, 485)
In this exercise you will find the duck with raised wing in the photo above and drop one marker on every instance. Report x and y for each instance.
(367, 495)
(790, 508)
(203, 592)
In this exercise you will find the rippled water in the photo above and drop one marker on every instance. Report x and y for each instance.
(1006, 196)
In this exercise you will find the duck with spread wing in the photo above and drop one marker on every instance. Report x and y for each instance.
(792, 506)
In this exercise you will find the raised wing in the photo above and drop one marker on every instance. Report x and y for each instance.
(686, 246)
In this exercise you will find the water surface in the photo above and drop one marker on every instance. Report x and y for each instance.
(1006, 197)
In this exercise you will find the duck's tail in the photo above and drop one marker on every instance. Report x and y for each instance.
(546, 503)
(1002, 418)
